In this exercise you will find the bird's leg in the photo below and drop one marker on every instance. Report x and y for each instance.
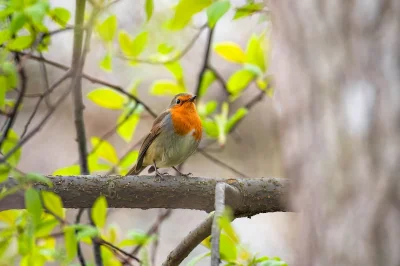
(179, 172)
(161, 175)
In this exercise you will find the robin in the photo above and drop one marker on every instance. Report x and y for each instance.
(174, 136)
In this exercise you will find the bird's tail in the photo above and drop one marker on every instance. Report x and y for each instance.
(135, 170)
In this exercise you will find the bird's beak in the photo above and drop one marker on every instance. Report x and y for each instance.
(193, 98)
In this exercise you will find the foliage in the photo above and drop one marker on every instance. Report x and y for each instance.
(30, 236)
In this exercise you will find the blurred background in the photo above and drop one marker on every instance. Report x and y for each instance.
(252, 149)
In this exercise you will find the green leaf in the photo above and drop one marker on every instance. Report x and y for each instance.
(3, 91)
(10, 72)
(128, 128)
(184, 12)
(35, 177)
(166, 87)
(230, 51)
(108, 28)
(106, 62)
(205, 110)
(4, 172)
(129, 159)
(239, 81)
(255, 53)
(107, 98)
(149, 7)
(144, 257)
(9, 143)
(216, 11)
(236, 117)
(125, 42)
(60, 15)
(176, 69)
(224, 223)
(99, 212)
(87, 231)
(17, 22)
(136, 238)
(53, 202)
(20, 43)
(198, 258)
(211, 128)
(33, 205)
(4, 36)
(37, 11)
(248, 10)
(227, 248)
(139, 43)
(273, 263)
(71, 243)
(164, 48)
(104, 150)
(208, 78)
(221, 120)
(68, 170)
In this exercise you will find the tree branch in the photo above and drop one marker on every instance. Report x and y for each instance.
(258, 195)
(192, 240)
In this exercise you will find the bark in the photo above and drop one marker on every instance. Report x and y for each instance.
(338, 78)
(257, 195)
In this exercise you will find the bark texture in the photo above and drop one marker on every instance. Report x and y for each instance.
(256, 195)
(338, 73)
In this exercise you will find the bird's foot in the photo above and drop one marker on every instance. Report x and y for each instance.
(161, 175)
(182, 174)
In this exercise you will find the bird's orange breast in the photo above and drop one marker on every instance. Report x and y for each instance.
(185, 119)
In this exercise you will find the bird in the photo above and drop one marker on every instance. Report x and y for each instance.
(175, 135)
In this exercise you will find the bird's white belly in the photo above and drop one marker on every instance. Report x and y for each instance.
(171, 149)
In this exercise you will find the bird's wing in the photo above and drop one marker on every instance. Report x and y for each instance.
(155, 131)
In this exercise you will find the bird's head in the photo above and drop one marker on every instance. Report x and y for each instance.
(183, 102)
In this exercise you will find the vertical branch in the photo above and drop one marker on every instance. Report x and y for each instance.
(205, 61)
(215, 229)
(81, 258)
(76, 86)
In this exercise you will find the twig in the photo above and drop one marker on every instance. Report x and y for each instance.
(221, 163)
(54, 86)
(206, 59)
(108, 244)
(14, 113)
(37, 128)
(46, 81)
(98, 81)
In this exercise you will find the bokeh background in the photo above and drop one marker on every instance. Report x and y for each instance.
(253, 149)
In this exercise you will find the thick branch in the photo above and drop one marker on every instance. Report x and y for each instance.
(257, 195)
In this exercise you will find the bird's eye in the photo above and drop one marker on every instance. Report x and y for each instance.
(178, 101)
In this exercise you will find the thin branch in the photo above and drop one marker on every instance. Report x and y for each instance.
(54, 86)
(46, 81)
(217, 161)
(192, 240)
(206, 60)
(108, 244)
(14, 113)
(98, 81)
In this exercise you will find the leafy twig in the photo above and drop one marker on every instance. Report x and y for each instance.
(81, 258)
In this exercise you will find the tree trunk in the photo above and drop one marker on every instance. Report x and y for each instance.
(337, 70)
